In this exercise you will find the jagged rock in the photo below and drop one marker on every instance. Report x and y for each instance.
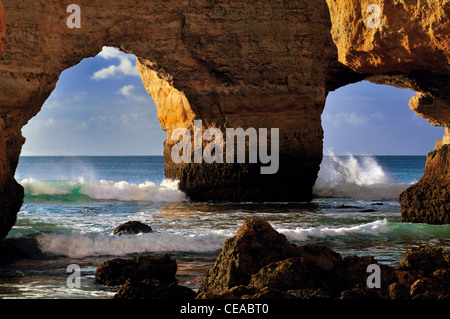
(296, 273)
(260, 259)
(131, 228)
(424, 274)
(116, 271)
(362, 43)
(3, 40)
(428, 201)
(429, 270)
(309, 293)
(360, 293)
(352, 273)
(430, 288)
(425, 260)
(399, 291)
(316, 272)
(153, 289)
(288, 274)
(255, 245)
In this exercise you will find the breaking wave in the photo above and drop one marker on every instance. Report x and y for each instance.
(167, 191)
(302, 234)
(355, 178)
(75, 245)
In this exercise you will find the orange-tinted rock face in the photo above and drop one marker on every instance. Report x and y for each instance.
(399, 38)
(428, 201)
(392, 36)
(231, 64)
(2, 28)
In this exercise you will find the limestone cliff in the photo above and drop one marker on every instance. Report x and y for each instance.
(405, 43)
(2, 28)
(428, 201)
(262, 64)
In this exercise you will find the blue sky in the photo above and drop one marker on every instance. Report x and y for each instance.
(371, 119)
(100, 107)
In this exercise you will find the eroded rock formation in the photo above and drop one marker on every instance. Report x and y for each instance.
(3, 40)
(259, 262)
(117, 271)
(428, 201)
(262, 64)
(405, 44)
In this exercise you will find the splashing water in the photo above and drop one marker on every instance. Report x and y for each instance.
(167, 191)
(356, 178)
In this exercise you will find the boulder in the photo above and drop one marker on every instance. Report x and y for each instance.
(352, 273)
(260, 263)
(255, 245)
(428, 271)
(428, 201)
(153, 289)
(131, 228)
(425, 260)
(259, 259)
(117, 271)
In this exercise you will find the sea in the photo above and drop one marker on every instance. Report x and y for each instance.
(72, 204)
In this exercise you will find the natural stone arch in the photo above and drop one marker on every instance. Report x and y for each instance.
(256, 63)
(215, 59)
(409, 49)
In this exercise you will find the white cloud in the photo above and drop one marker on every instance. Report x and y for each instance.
(126, 90)
(110, 52)
(49, 122)
(126, 67)
(355, 119)
(351, 119)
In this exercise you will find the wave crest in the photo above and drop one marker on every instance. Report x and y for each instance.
(350, 177)
(167, 191)
(302, 234)
(75, 245)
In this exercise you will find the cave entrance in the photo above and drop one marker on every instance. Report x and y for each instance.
(373, 142)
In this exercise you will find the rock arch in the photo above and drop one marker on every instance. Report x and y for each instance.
(246, 64)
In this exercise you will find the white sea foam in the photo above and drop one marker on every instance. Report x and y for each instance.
(167, 191)
(302, 234)
(35, 187)
(148, 191)
(349, 177)
(76, 245)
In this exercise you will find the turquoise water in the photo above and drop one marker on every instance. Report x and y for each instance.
(73, 203)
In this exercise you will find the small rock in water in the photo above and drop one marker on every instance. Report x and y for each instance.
(131, 228)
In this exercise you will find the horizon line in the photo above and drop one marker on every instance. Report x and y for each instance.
(125, 155)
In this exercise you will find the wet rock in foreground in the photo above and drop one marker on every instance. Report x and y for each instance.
(260, 263)
(131, 228)
(116, 271)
